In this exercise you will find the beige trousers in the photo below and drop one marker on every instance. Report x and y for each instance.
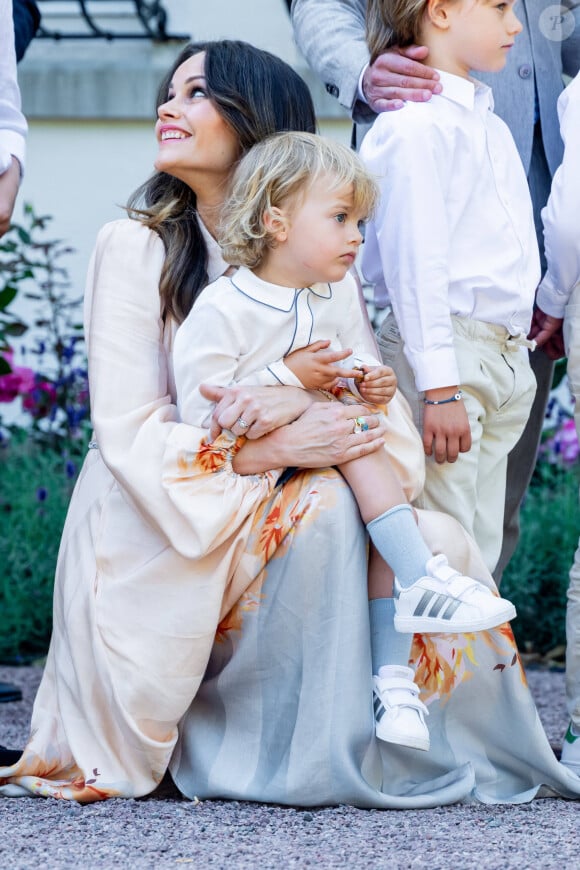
(572, 343)
(498, 390)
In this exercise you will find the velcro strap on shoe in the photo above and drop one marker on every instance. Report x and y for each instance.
(403, 693)
(460, 585)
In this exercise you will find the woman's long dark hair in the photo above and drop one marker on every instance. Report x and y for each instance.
(257, 94)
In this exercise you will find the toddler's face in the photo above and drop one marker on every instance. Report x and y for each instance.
(323, 232)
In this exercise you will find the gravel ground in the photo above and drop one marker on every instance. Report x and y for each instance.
(165, 831)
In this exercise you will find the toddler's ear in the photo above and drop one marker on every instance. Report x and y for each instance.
(437, 13)
(275, 223)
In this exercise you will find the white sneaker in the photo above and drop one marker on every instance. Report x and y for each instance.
(446, 601)
(399, 714)
(571, 750)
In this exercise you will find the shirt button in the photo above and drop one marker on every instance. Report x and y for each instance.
(525, 71)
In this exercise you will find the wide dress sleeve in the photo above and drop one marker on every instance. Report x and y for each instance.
(183, 486)
(142, 581)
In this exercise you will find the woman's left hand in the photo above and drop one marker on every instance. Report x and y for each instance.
(254, 411)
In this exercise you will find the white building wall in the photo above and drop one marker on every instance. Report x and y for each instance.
(90, 107)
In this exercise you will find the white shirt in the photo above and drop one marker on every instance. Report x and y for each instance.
(561, 217)
(454, 231)
(241, 328)
(12, 122)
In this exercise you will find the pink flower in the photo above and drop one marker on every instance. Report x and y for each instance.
(39, 400)
(17, 382)
(568, 438)
(563, 447)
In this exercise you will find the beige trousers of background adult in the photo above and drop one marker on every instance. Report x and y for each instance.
(572, 343)
(498, 390)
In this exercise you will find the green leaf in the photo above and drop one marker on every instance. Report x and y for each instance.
(16, 329)
(7, 295)
(4, 366)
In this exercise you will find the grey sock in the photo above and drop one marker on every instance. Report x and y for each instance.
(400, 543)
(388, 647)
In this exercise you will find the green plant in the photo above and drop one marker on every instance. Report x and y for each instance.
(536, 579)
(41, 453)
(35, 488)
(53, 392)
(15, 269)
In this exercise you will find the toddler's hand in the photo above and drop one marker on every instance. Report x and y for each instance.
(378, 384)
(315, 365)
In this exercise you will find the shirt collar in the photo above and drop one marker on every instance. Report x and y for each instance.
(468, 93)
(273, 295)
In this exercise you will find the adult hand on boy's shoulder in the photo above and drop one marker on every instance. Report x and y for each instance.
(446, 431)
(397, 76)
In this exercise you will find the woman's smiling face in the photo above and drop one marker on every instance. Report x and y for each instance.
(196, 145)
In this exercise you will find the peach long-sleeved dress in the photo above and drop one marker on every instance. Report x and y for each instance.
(220, 621)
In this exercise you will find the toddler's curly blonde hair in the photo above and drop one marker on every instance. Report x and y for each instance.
(280, 168)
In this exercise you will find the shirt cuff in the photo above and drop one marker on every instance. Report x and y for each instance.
(284, 375)
(12, 145)
(360, 92)
(550, 300)
(434, 369)
(5, 160)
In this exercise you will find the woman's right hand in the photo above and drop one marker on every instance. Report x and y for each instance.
(324, 435)
(259, 409)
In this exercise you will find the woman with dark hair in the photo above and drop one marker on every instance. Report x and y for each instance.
(142, 581)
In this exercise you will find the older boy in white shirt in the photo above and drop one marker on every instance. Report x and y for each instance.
(454, 246)
(12, 122)
(559, 300)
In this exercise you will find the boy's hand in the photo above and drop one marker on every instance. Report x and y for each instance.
(446, 431)
(315, 365)
(378, 384)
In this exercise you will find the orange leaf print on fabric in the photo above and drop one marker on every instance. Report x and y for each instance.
(297, 501)
(272, 533)
(443, 661)
(502, 642)
(440, 664)
(57, 780)
(250, 600)
(275, 523)
(232, 621)
(210, 456)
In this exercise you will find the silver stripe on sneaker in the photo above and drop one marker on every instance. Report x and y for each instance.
(378, 708)
(438, 604)
(441, 601)
(423, 603)
(451, 608)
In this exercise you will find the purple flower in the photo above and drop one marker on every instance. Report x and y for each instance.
(562, 447)
(41, 493)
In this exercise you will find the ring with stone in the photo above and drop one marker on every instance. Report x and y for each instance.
(242, 423)
(360, 425)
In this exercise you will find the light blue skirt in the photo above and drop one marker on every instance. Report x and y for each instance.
(284, 714)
